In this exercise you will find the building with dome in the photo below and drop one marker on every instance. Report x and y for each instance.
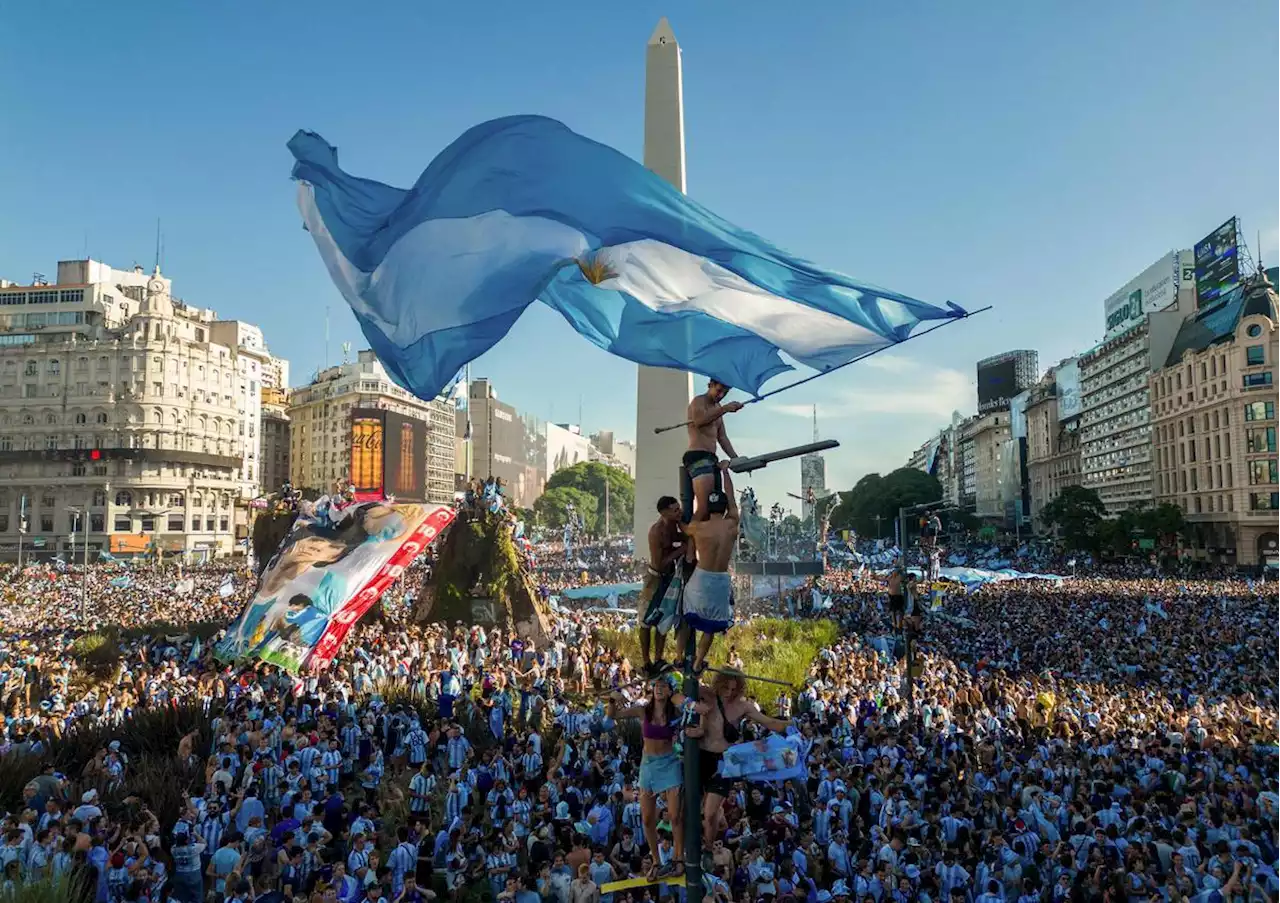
(1213, 416)
(127, 417)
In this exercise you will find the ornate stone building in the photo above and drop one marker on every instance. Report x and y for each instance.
(115, 401)
(1214, 427)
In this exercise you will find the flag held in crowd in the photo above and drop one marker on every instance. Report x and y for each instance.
(522, 209)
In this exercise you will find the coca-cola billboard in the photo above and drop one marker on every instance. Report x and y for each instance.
(388, 455)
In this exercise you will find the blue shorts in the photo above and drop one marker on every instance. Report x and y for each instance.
(708, 601)
(661, 772)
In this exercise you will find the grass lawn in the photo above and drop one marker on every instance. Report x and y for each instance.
(770, 647)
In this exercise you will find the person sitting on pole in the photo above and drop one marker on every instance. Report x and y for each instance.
(699, 474)
(661, 771)
(708, 594)
(666, 547)
(722, 708)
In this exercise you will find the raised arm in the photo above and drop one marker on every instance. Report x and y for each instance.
(732, 512)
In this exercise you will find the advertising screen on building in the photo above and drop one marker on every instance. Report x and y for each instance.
(997, 383)
(388, 456)
(1067, 378)
(1217, 263)
(404, 458)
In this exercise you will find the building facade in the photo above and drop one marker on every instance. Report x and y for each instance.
(115, 400)
(320, 426)
(255, 366)
(273, 447)
(1142, 320)
(983, 441)
(1053, 446)
(1214, 427)
(495, 441)
(613, 451)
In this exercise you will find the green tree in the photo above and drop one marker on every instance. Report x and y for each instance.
(1077, 514)
(590, 477)
(875, 495)
(1162, 524)
(554, 505)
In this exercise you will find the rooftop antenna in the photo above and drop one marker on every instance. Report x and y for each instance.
(815, 423)
(157, 244)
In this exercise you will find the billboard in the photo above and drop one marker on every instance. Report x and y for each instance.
(1067, 378)
(1217, 263)
(1154, 290)
(565, 448)
(388, 456)
(997, 383)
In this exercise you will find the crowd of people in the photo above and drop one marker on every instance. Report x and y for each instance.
(1111, 737)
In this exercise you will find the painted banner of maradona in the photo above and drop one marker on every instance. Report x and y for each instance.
(334, 564)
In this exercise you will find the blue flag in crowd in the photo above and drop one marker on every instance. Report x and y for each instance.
(522, 209)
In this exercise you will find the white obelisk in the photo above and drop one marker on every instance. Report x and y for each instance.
(662, 395)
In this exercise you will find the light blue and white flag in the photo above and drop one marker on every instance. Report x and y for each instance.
(523, 209)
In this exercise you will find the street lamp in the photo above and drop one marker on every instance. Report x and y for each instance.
(81, 515)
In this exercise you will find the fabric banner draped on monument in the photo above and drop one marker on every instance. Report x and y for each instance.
(325, 575)
(522, 209)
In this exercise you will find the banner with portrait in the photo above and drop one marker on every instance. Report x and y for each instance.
(330, 569)
(772, 758)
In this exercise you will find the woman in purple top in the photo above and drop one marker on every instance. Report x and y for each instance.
(660, 768)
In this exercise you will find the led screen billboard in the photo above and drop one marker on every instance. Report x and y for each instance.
(997, 383)
(1217, 263)
(388, 456)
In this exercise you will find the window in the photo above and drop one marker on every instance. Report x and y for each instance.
(99, 498)
(4, 523)
(1255, 355)
(97, 522)
(148, 523)
(122, 524)
(80, 419)
(224, 525)
(195, 524)
(31, 368)
(1253, 331)
(1253, 380)
(1264, 501)
(175, 523)
(124, 498)
(77, 469)
(55, 367)
(101, 417)
(46, 523)
(1262, 472)
(1260, 410)
(1261, 440)
(208, 523)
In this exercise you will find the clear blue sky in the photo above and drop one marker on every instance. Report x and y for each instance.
(1032, 156)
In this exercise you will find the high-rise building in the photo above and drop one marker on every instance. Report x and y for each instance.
(273, 449)
(1142, 320)
(813, 475)
(1213, 404)
(320, 416)
(498, 445)
(117, 400)
(253, 363)
(613, 451)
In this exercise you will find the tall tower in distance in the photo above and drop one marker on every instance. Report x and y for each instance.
(813, 474)
(662, 395)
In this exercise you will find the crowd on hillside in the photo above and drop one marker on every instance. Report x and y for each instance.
(1109, 738)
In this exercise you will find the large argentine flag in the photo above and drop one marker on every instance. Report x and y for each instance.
(523, 209)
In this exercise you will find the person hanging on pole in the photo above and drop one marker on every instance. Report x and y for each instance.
(722, 709)
(708, 593)
(666, 547)
(661, 771)
(700, 474)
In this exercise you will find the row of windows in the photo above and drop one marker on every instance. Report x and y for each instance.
(44, 296)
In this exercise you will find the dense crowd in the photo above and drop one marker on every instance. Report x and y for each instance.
(1107, 738)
